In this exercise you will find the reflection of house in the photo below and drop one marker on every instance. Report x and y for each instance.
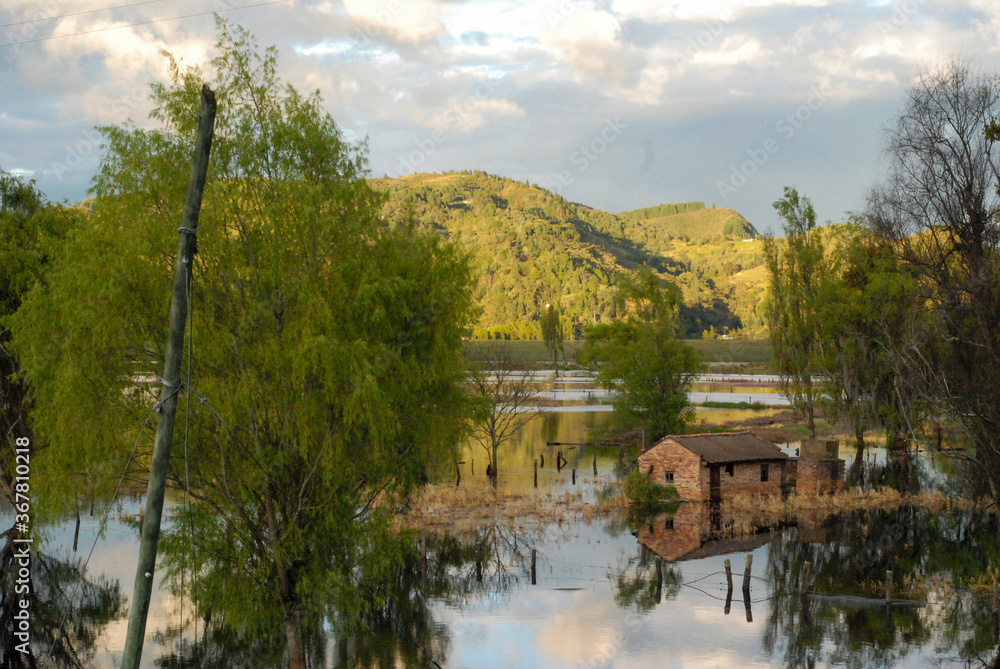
(706, 466)
(688, 535)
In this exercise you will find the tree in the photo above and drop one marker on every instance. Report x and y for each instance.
(552, 333)
(863, 309)
(29, 228)
(323, 352)
(503, 395)
(639, 358)
(937, 211)
(795, 274)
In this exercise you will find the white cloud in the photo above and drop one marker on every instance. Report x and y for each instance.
(409, 21)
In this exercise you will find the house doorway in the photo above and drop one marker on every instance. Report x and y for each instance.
(714, 484)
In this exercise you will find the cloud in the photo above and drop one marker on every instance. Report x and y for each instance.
(412, 22)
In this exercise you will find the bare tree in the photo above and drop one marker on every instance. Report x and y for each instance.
(939, 211)
(504, 394)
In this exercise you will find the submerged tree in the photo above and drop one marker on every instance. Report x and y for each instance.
(938, 212)
(323, 356)
(641, 360)
(503, 394)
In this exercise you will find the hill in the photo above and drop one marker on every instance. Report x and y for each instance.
(531, 247)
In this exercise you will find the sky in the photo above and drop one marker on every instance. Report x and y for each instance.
(613, 104)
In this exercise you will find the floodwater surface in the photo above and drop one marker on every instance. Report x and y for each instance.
(613, 592)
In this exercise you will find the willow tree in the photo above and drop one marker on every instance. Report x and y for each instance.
(322, 356)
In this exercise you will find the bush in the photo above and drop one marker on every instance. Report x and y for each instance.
(642, 492)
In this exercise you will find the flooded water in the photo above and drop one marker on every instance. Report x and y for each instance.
(597, 600)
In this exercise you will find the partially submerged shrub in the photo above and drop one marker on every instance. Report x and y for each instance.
(642, 492)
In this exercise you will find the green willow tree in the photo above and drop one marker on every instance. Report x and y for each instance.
(796, 275)
(324, 341)
(640, 359)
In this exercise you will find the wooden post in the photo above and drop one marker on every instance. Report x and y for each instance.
(746, 605)
(888, 587)
(150, 537)
(536, 472)
(729, 577)
(574, 476)
(542, 457)
(642, 555)
(533, 581)
(76, 532)
(659, 579)
(595, 463)
(458, 476)
(746, 576)
(804, 579)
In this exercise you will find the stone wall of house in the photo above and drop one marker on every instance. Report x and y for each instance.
(746, 479)
(669, 456)
(819, 476)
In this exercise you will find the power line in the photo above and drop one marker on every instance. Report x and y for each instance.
(142, 23)
(87, 11)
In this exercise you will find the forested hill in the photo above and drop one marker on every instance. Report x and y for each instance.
(532, 247)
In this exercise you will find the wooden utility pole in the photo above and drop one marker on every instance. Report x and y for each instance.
(167, 406)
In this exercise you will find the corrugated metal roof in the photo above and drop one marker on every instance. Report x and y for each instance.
(731, 447)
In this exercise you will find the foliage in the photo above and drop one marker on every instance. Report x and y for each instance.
(937, 214)
(798, 285)
(30, 228)
(640, 360)
(325, 341)
(644, 494)
(552, 333)
(531, 247)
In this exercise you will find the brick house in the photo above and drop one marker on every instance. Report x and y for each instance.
(704, 467)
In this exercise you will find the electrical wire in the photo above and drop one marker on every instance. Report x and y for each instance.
(86, 11)
(142, 23)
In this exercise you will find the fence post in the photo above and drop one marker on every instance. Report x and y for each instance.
(533, 581)
(746, 577)
(536, 472)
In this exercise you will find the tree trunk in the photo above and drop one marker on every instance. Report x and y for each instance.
(494, 464)
(286, 591)
(293, 639)
(859, 451)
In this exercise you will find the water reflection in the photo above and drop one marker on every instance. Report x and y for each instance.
(66, 611)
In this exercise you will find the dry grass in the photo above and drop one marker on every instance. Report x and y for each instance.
(461, 508)
(748, 512)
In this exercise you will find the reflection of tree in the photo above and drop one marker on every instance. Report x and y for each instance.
(67, 610)
(383, 616)
(855, 554)
(638, 587)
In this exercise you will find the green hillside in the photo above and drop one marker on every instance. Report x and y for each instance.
(531, 247)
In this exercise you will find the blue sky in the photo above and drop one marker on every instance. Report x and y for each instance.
(616, 105)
